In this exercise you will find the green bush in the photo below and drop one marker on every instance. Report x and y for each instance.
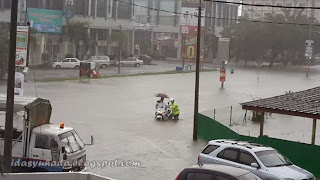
(69, 56)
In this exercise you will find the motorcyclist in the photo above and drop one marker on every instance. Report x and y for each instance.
(160, 103)
(175, 109)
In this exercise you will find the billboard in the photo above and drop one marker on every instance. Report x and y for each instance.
(22, 46)
(45, 21)
(189, 31)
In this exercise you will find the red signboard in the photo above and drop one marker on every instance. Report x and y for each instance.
(308, 68)
(189, 42)
(222, 74)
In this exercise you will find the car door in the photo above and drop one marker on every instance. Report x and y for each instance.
(65, 63)
(41, 150)
(245, 160)
(129, 61)
(73, 63)
(228, 156)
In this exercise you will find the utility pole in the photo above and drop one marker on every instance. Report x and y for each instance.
(120, 46)
(196, 97)
(7, 155)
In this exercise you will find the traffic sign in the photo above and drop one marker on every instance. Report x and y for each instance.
(309, 48)
(69, 2)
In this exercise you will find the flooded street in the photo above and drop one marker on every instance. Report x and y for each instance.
(118, 112)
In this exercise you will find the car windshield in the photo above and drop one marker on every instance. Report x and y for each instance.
(71, 141)
(272, 158)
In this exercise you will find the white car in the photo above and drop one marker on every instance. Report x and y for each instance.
(71, 63)
(131, 61)
(102, 61)
(264, 161)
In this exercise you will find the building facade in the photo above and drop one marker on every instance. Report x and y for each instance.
(255, 13)
(150, 26)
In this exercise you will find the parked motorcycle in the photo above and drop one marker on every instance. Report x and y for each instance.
(163, 113)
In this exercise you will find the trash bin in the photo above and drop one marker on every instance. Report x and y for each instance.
(178, 68)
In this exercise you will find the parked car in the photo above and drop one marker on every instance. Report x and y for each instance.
(216, 172)
(102, 61)
(131, 61)
(261, 160)
(156, 56)
(145, 58)
(73, 63)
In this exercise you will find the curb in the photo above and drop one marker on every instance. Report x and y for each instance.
(124, 75)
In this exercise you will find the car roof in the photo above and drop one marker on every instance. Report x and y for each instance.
(233, 171)
(240, 144)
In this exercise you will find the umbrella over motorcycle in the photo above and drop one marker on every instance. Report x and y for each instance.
(162, 95)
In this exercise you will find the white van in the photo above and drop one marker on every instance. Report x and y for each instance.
(102, 61)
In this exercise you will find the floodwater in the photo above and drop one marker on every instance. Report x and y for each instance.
(118, 112)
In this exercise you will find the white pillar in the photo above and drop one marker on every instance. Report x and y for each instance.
(132, 41)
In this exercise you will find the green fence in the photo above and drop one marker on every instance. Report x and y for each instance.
(303, 155)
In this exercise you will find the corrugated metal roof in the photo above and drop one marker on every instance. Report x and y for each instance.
(305, 103)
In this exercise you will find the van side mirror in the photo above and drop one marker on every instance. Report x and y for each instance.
(92, 142)
(255, 165)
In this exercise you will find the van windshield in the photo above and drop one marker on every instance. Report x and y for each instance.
(71, 141)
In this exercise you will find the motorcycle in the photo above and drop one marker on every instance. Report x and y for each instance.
(163, 113)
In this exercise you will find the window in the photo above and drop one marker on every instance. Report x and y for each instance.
(166, 18)
(93, 8)
(272, 158)
(80, 7)
(42, 142)
(246, 158)
(71, 141)
(54, 144)
(102, 34)
(114, 8)
(209, 149)
(7, 4)
(73, 60)
(57, 4)
(229, 154)
(198, 176)
(65, 61)
(101, 8)
(124, 9)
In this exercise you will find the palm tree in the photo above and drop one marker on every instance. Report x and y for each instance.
(78, 31)
(120, 36)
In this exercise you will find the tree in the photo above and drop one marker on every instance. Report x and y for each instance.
(4, 48)
(271, 42)
(78, 31)
(121, 36)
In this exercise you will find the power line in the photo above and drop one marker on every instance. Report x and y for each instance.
(264, 5)
(231, 19)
